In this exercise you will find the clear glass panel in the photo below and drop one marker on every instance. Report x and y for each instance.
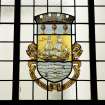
(27, 17)
(7, 14)
(99, 2)
(82, 2)
(81, 14)
(7, 2)
(25, 90)
(6, 47)
(6, 70)
(82, 32)
(99, 47)
(68, 2)
(26, 2)
(52, 2)
(101, 90)
(6, 90)
(6, 32)
(99, 16)
(100, 30)
(83, 90)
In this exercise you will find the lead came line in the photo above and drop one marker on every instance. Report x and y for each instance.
(92, 50)
(16, 56)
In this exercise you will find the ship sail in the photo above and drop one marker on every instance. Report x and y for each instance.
(56, 50)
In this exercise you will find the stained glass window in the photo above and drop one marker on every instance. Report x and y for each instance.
(22, 23)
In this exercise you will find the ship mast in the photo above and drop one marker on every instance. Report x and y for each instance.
(48, 46)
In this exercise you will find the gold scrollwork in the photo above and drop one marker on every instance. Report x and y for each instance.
(33, 52)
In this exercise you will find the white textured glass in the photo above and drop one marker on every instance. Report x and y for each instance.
(67, 2)
(99, 2)
(101, 90)
(70, 93)
(68, 10)
(39, 93)
(6, 32)
(23, 54)
(81, 14)
(26, 14)
(100, 32)
(54, 95)
(24, 71)
(40, 10)
(7, 51)
(82, 32)
(85, 54)
(99, 16)
(52, 2)
(26, 2)
(100, 70)
(6, 90)
(6, 70)
(85, 71)
(100, 53)
(83, 90)
(7, 14)
(26, 33)
(25, 90)
(7, 2)
(54, 9)
(82, 2)
(41, 2)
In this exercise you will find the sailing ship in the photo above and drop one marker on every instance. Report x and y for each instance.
(55, 53)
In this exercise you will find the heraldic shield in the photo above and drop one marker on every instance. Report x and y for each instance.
(55, 55)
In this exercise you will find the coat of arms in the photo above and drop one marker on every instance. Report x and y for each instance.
(56, 54)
